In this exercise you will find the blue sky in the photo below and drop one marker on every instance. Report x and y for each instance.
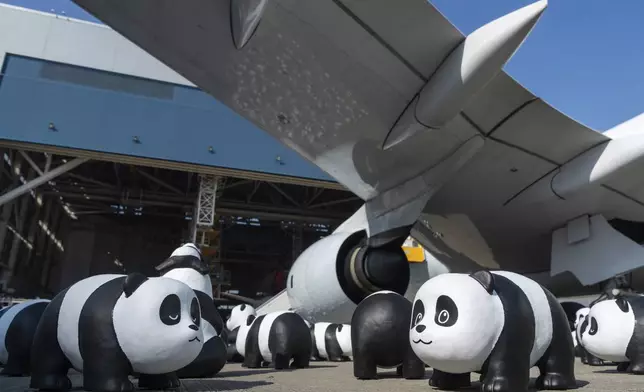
(585, 57)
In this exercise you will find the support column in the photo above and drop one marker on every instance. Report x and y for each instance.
(204, 229)
(49, 253)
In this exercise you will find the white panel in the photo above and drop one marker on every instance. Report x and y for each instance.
(68, 42)
(50, 37)
(604, 254)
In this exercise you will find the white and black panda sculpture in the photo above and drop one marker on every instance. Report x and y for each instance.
(497, 323)
(325, 342)
(614, 331)
(111, 326)
(238, 316)
(275, 338)
(586, 357)
(186, 265)
(17, 328)
(379, 337)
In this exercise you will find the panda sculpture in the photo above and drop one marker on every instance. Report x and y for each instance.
(325, 342)
(499, 324)
(111, 326)
(379, 337)
(586, 357)
(275, 338)
(186, 265)
(238, 316)
(17, 328)
(614, 331)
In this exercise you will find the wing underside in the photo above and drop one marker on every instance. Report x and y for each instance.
(331, 78)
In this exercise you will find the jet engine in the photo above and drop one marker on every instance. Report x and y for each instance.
(333, 275)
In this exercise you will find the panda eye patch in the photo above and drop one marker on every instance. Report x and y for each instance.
(417, 313)
(593, 326)
(170, 310)
(195, 312)
(446, 312)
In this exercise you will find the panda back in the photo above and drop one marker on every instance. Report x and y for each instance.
(69, 316)
(264, 332)
(320, 338)
(343, 335)
(6, 319)
(540, 309)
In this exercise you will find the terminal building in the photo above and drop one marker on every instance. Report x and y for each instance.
(111, 160)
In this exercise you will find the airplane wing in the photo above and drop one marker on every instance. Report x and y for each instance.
(330, 79)
(390, 99)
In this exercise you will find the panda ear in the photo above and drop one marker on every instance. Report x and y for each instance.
(250, 319)
(622, 304)
(132, 282)
(242, 307)
(485, 278)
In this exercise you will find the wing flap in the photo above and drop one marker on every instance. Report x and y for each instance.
(419, 34)
(542, 130)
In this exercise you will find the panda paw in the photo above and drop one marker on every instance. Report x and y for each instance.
(623, 366)
(51, 383)
(497, 384)
(554, 381)
(594, 361)
(159, 381)
(446, 381)
(636, 368)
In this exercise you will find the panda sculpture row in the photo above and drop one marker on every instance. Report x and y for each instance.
(113, 326)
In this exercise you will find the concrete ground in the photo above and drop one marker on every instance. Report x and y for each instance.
(332, 377)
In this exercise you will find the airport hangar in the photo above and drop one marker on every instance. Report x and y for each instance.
(111, 160)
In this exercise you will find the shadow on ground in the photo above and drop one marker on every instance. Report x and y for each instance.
(209, 385)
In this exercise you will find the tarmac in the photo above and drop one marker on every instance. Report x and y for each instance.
(338, 377)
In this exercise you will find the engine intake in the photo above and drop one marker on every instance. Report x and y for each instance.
(334, 274)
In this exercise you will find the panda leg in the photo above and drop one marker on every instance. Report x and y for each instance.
(364, 367)
(412, 366)
(449, 381)
(253, 359)
(636, 366)
(49, 366)
(593, 360)
(281, 361)
(17, 365)
(557, 365)
(623, 366)
(159, 381)
(301, 361)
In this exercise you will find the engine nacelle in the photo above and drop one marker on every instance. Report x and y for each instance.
(333, 275)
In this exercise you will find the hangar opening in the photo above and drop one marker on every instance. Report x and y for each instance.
(97, 217)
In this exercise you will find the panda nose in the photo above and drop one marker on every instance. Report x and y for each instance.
(420, 328)
(194, 327)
